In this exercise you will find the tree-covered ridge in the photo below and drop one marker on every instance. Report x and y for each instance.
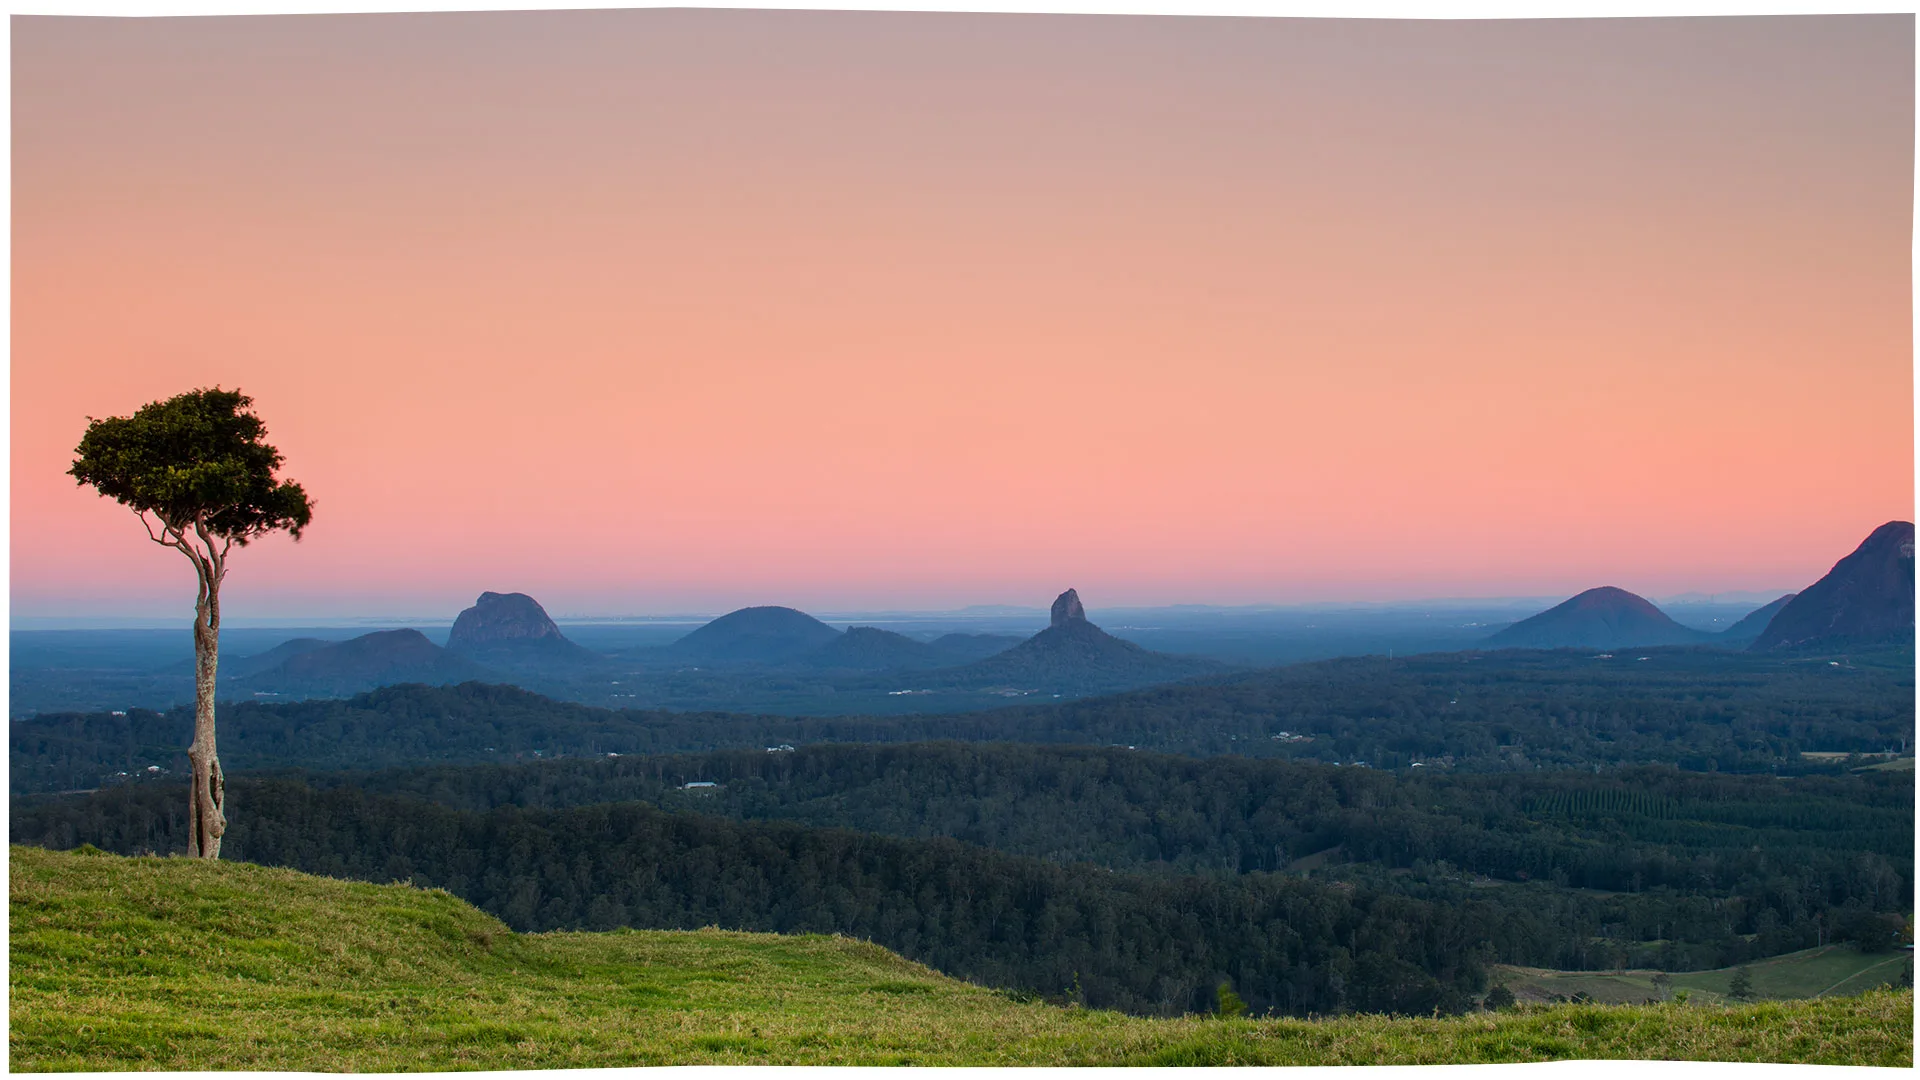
(1696, 709)
(1625, 830)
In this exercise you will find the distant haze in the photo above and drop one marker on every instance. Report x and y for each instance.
(681, 311)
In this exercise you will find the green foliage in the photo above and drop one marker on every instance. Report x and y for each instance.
(1227, 1004)
(194, 460)
(1741, 988)
(1499, 998)
(114, 962)
(1871, 931)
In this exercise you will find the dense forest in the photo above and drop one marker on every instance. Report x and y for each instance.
(1159, 876)
(1626, 830)
(1697, 709)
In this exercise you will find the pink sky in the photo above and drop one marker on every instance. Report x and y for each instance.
(668, 311)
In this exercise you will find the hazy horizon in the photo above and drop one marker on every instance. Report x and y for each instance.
(424, 616)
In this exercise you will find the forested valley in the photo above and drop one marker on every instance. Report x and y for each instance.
(1120, 878)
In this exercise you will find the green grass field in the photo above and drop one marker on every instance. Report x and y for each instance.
(1830, 971)
(171, 964)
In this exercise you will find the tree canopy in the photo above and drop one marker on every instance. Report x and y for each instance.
(194, 461)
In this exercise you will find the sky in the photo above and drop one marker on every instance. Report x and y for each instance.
(664, 311)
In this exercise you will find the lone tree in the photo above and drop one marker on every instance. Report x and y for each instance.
(196, 471)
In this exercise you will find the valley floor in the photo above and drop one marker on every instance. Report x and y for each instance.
(152, 963)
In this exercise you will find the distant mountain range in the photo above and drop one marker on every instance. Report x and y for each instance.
(1071, 654)
(358, 664)
(500, 636)
(1865, 600)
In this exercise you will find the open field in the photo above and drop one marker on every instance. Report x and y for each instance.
(1829, 971)
(169, 964)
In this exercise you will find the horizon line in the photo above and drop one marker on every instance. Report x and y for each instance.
(31, 623)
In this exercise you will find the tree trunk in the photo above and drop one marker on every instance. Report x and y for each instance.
(206, 802)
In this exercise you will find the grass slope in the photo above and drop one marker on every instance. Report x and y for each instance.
(170, 964)
(1828, 971)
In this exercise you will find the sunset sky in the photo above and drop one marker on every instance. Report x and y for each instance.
(666, 311)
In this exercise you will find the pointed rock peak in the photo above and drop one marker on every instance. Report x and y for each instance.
(1067, 608)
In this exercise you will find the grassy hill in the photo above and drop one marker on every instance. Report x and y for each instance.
(169, 964)
(1828, 971)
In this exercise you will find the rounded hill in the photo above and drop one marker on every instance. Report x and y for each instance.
(1602, 618)
(756, 635)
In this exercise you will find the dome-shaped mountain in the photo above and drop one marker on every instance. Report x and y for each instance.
(1751, 627)
(1073, 654)
(755, 635)
(1866, 599)
(370, 660)
(1603, 618)
(512, 629)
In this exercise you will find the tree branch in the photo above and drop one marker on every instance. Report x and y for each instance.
(216, 557)
(148, 525)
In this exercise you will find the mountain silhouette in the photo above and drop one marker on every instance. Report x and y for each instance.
(1603, 618)
(1866, 599)
(513, 630)
(755, 635)
(1072, 654)
(371, 660)
(1747, 629)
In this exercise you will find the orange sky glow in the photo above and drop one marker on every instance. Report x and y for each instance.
(654, 311)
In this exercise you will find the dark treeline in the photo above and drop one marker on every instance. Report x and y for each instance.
(1623, 830)
(1695, 709)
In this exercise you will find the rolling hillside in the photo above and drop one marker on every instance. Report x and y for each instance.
(114, 959)
(1828, 971)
